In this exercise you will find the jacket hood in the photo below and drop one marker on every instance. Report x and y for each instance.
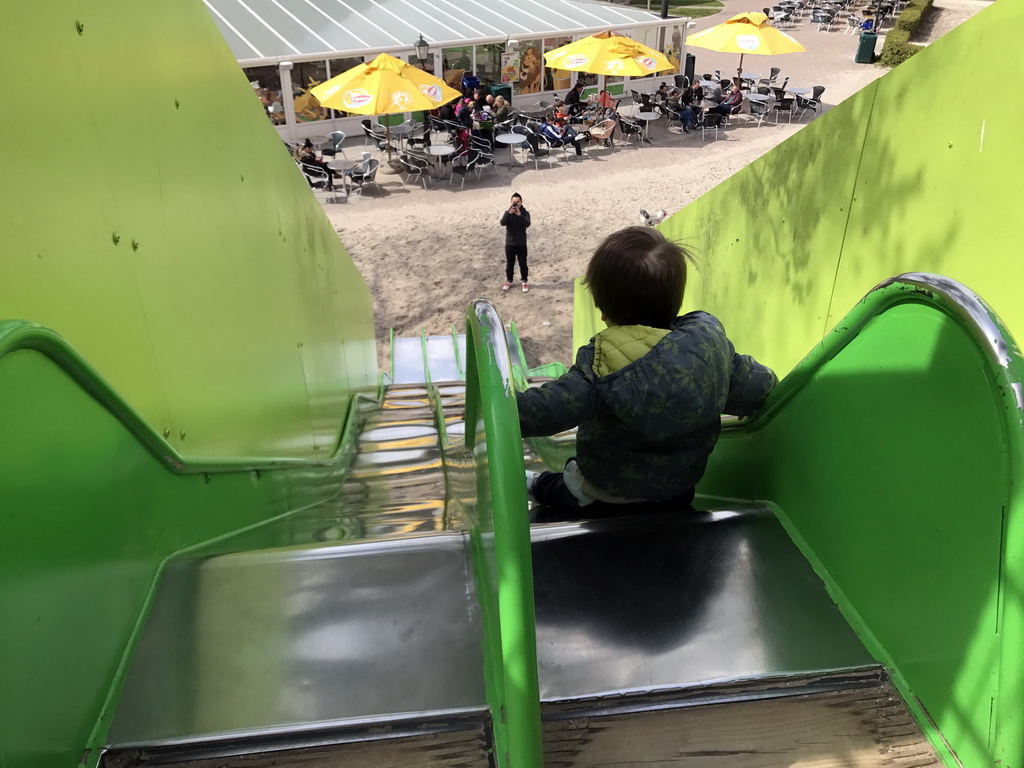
(678, 384)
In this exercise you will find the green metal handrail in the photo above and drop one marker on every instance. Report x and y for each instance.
(18, 335)
(502, 539)
(1004, 368)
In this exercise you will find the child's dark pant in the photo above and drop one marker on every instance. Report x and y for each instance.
(559, 505)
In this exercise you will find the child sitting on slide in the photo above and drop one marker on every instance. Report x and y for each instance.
(647, 393)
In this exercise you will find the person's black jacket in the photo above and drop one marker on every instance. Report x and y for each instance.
(515, 226)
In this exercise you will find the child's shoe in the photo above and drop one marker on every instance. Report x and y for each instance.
(506, 286)
(526, 288)
(531, 478)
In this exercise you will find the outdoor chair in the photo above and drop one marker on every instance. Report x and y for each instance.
(709, 120)
(551, 145)
(783, 106)
(603, 131)
(772, 77)
(524, 130)
(484, 160)
(315, 175)
(419, 136)
(360, 178)
(823, 19)
(470, 156)
(758, 112)
(337, 139)
(414, 168)
(763, 90)
(813, 104)
(631, 130)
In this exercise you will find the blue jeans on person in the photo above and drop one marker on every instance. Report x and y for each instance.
(688, 118)
(559, 505)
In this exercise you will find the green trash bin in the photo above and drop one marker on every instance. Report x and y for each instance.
(498, 89)
(866, 49)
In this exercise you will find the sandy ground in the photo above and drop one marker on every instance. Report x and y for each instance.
(426, 253)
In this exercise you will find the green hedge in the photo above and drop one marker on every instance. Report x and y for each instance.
(898, 47)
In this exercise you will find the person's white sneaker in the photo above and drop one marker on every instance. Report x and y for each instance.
(526, 288)
(531, 478)
(506, 286)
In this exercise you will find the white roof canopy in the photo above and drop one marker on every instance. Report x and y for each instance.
(266, 31)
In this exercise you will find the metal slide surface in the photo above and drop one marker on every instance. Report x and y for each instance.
(361, 612)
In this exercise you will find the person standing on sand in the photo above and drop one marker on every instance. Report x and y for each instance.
(516, 220)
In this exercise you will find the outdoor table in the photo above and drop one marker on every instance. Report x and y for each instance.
(440, 150)
(511, 139)
(648, 118)
(750, 76)
(758, 97)
(707, 104)
(316, 141)
(799, 91)
(339, 167)
(401, 131)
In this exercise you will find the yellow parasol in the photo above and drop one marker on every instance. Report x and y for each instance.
(745, 33)
(384, 86)
(608, 53)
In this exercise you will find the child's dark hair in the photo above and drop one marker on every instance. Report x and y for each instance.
(638, 277)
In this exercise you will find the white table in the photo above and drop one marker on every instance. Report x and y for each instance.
(758, 97)
(648, 118)
(401, 131)
(339, 167)
(440, 150)
(799, 91)
(511, 139)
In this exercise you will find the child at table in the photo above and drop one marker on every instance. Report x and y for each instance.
(647, 393)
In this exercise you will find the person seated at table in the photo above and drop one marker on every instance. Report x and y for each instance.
(447, 111)
(731, 105)
(662, 93)
(574, 100)
(687, 117)
(500, 109)
(559, 136)
(483, 124)
(712, 92)
(605, 100)
(479, 98)
(306, 155)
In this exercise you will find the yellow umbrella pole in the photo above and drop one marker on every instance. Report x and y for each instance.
(739, 72)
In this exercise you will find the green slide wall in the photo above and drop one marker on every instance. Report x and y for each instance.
(891, 466)
(154, 219)
(920, 171)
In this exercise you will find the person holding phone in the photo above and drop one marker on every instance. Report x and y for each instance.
(516, 220)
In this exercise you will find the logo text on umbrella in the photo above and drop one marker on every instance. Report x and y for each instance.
(646, 62)
(432, 92)
(747, 42)
(356, 98)
(576, 60)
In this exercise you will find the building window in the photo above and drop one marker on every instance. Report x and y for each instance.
(457, 62)
(557, 80)
(305, 75)
(266, 84)
(531, 68)
(488, 63)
